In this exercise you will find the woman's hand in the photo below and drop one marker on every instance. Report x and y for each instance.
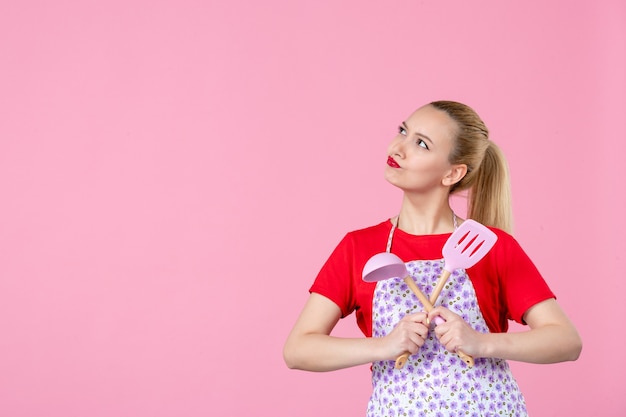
(455, 334)
(408, 336)
(552, 337)
(311, 347)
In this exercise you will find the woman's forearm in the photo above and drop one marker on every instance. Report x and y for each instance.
(551, 338)
(310, 346)
(547, 344)
(320, 352)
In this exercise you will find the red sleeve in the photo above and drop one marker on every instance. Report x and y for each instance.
(340, 279)
(522, 284)
(507, 283)
(334, 280)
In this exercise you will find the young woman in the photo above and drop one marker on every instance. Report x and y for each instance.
(440, 149)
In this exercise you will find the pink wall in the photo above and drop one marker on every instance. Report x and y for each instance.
(174, 173)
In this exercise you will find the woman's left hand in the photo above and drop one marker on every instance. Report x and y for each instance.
(455, 334)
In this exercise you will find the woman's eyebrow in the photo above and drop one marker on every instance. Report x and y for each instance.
(418, 134)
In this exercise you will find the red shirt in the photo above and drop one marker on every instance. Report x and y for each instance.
(506, 281)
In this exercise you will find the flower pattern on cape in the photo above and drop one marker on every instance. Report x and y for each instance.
(435, 382)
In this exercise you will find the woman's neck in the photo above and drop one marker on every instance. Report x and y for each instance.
(419, 218)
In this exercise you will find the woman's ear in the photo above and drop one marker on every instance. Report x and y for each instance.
(456, 174)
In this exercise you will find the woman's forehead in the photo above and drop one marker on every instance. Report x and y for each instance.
(432, 122)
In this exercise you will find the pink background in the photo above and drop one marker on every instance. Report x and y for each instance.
(174, 173)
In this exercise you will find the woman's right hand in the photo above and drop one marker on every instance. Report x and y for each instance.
(408, 335)
(310, 346)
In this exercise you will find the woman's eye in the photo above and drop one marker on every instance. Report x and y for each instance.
(421, 143)
(401, 130)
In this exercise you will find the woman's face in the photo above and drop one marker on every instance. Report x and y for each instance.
(418, 155)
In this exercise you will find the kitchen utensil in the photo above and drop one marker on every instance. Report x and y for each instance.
(387, 265)
(469, 243)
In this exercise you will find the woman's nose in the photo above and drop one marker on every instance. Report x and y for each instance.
(396, 147)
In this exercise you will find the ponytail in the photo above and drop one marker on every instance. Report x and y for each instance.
(489, 199)
(487, 178)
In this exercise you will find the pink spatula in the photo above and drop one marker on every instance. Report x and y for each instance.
(469, 243)
(387, 265)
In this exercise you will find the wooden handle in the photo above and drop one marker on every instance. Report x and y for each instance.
(402, 360)
(439, 286)
(469, 361)
(420, 296)
(418, 293)
(428, 306)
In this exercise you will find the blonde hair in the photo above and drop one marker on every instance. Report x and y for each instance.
(487, 179)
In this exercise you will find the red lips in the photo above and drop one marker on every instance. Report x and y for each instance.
(392, 163)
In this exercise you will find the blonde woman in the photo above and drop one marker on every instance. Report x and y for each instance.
(442, 148)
